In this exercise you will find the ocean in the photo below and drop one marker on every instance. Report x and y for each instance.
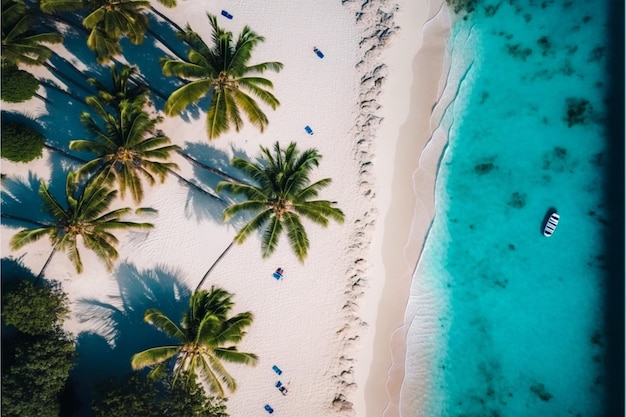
(522, 328)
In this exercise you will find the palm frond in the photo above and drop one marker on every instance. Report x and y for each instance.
(24, 237)
(298, 238)
(187, 94)
(153, 356)
(272, 233)
(164, 323)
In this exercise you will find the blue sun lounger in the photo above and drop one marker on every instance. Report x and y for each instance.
(277, 369)
(308, 129)
(268, 408)
(318, 52)
(226, 14)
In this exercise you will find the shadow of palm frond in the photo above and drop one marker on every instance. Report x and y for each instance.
(120, 322)
(146, 57)
(118, 329)
(201, 206)
(20, 198)
(214, 158)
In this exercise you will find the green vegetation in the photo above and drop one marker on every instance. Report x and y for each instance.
(283, 194)
(21, 143)
(20, 43)
(138, 397)
(83, 214)
(205, 338)
(36, 353)
(129, 146)
(17, 85)
(224, 73)
(34, 309)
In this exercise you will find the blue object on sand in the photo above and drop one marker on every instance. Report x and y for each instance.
(308, 129)
(277, 275)
(277, 369)
(318, 52)
(226, 14)
(268, 408)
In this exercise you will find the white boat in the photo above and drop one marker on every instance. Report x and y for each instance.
(551, 224)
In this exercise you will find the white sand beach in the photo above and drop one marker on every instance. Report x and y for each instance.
(333, 325)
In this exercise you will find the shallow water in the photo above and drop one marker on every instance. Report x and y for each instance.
(522, 315)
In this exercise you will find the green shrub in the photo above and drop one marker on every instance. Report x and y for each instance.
(20, 143)
(34, 310)
(17, 85)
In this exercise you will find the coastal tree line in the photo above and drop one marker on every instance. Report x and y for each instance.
(126, 151)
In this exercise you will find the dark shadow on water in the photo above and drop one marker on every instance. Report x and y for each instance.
(120, 331)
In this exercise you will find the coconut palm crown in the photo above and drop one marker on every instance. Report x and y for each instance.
(223, 72)
(128, 146)
(84, 215)
(205, 338)
(20, 43)
(107, 21)
(282, 194)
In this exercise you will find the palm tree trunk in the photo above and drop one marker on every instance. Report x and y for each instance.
(192, 185)
(162, 41)
(167, 19)
(62, 152)
(213, 266)
(63, 76)
(43, 269)
(209, 169)
(42, 98)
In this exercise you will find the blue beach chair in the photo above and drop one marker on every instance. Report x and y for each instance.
(226, 14)
(268, 408)
(308, 129)
(318, 52)
(277, 369)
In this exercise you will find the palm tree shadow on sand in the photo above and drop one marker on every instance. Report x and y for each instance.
(119, 330)
(19, 190)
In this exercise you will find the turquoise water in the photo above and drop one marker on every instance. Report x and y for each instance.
(522, 324)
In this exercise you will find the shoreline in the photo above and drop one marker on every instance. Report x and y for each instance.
(415, 160)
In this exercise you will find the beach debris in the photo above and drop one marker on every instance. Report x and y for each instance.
(226, 14)
(318, 52)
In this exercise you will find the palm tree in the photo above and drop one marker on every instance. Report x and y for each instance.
(83, 215)
(124, 87)
(128, 147)
(107, 21)
(206, 337)
(283, 194)
(20, 43)
(224, 73)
